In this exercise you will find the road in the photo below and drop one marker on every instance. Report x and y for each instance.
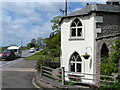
(18, 73)
(25, 53)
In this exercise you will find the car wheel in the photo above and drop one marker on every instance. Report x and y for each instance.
(6, 59)
(11, 58)
(14, 57)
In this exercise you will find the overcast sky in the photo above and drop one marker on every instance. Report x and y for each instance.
(23, 21)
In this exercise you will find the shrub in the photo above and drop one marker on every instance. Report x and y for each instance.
(47, 61)
(115, 86)
(110, 64)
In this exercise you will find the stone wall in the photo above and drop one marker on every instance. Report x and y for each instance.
(110, 31)
(110, 25)
(99, 42)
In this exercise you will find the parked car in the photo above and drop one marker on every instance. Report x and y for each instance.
(8, 55)
(37, 49)
(32, 50)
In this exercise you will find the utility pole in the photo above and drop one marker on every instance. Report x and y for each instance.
(40, 29)
(65, 7)
(64, 11)
(21, 43)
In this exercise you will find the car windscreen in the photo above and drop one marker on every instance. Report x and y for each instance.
(6, 51)
(32, 49)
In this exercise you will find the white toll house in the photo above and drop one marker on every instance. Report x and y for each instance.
(86, 35)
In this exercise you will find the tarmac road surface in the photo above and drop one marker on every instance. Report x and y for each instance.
(19, 74)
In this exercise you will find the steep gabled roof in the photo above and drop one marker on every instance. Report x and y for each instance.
(94, 8)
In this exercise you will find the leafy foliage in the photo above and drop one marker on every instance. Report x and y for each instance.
(110, 64)
(53, 43)
(115, 86)
(31, 45)
(51, 53)
(55, 21)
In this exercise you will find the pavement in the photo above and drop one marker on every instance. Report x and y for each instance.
(46, 83)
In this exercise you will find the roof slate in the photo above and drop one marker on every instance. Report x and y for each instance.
(94, 8)
(113, 0)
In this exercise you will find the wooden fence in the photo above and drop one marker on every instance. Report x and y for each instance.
(107, 80)
(48, 72)
(77, 77)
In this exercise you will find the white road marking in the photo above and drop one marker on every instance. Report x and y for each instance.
(6, 64)
(19, 69)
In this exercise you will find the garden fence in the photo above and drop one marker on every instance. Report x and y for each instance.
(100, 80)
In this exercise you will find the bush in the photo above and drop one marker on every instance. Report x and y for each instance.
(48, 61)
(110, 64)
(116, 86)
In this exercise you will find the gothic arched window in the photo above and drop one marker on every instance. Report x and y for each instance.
(104, 52)
(75, 63)
(76, 28)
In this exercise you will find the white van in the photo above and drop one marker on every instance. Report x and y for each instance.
(17, 50)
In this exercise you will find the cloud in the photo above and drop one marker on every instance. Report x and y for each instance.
(10, 39)
(18, 19)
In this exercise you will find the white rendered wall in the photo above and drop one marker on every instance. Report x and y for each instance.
(69, 46)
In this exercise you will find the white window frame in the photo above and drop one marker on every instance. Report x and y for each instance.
(75, 62)
(76, 27)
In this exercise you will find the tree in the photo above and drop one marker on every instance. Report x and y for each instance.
(110, 64)
(54, 41)
(55, 24)
(55, 37)
(33, 41)
(30, 45)
(39, 41)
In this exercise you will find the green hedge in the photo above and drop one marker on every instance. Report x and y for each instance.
(115, 86)
(48, 61)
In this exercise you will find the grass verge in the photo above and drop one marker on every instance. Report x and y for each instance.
(40, 55)
(36, 56)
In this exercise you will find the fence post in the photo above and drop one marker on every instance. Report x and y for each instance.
(63, 75)
(40, 70)
(115, 78)
(119, 70)
(98, 79)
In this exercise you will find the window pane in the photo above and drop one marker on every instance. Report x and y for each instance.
(79, 24)
(79, 32)
(76, 21)
(78, 67)
(76, 54)
(73, 32)
(72, 58)
(73, 24)
(73, 67)
(78, 58)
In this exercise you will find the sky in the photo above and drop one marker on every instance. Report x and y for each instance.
(23, 21)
